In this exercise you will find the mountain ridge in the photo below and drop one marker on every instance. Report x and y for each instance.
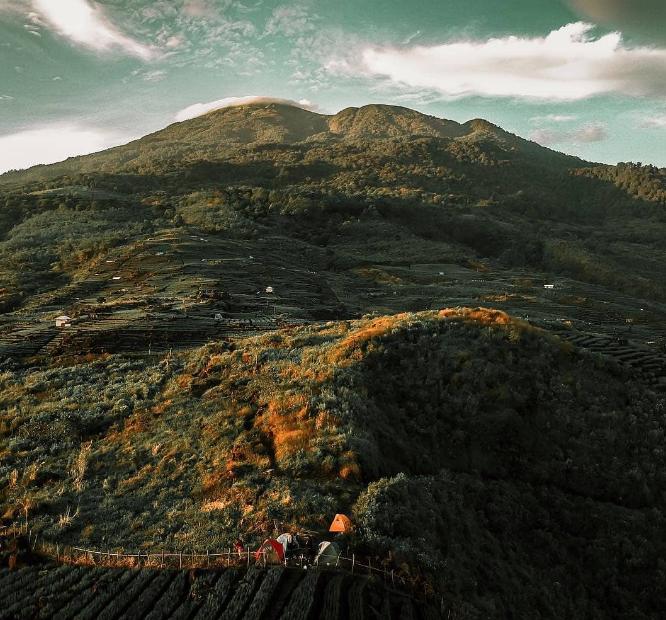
(255, 124)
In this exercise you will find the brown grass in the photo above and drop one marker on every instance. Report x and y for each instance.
(161, 407)
(377, 275)
(355, 341)
(288, 422)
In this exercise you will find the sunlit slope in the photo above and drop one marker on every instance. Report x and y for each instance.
(192, 450)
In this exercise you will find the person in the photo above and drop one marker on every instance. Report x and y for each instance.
(239, 547)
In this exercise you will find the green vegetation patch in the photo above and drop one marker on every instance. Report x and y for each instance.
(465, 406)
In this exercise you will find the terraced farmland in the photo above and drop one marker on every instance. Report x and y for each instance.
(181, 288)
(85, 593)
(649, 364)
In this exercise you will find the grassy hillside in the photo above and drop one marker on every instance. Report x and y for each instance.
(507, 444)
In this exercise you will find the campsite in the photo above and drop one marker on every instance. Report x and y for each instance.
(284, 578)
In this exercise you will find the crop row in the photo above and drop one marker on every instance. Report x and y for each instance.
(302, 599)
(85, 593)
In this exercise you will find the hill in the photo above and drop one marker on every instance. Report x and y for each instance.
(476, 449)
(255, 341)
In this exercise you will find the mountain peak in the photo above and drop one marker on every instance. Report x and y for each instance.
(201, 109)
(388, 121)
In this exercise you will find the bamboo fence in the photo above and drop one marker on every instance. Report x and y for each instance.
(83, 556)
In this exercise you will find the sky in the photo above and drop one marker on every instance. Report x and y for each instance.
(587, 77)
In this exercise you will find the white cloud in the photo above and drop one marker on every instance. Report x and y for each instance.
(586, 134)
(199, 109)
(174, 41)
(655, 122)
(554, 118)
(568, 64)
(290, 21)
(593, 132)
(154, 76)
(53, 143)
(85, 23)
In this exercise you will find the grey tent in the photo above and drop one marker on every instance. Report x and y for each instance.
(286, 540)
(327, 554)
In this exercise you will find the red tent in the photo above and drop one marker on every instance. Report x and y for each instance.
(270, 547)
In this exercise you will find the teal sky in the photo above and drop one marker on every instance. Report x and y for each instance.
(78, 75)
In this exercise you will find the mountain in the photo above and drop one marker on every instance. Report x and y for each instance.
(253, 169)
(450, 333)
(219, 134)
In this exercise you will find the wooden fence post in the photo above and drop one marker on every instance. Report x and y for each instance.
(248, 557)
(353, 562)
(180, 560)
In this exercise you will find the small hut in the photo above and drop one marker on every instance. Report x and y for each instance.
(63, 321)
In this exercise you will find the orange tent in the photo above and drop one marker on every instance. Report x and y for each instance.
(341, 524)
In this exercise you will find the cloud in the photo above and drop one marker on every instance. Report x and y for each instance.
(174, 41)
(208, 34)
(290, 21)
(654, 122)
(85, 23)
(641, 17)
(198, 109)
(554, 118)
(53, 143)
(154, 76)
(198, 8)
(586, 134)
(568, 64)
